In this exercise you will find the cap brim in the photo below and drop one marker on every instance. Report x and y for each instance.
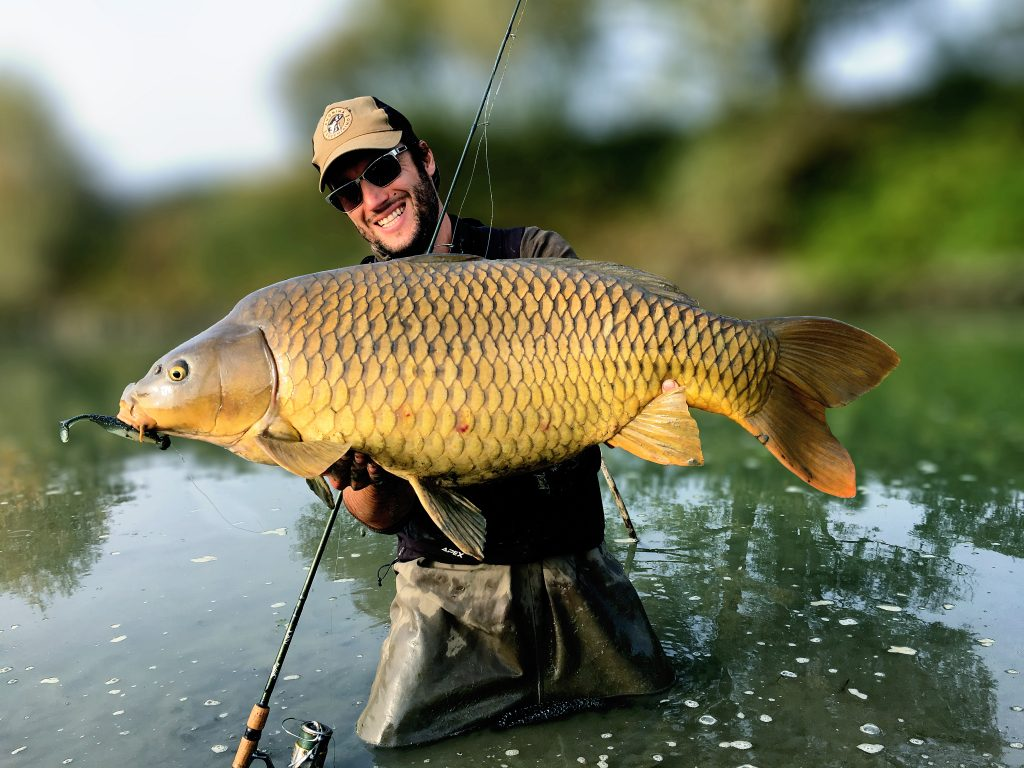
(378, 140)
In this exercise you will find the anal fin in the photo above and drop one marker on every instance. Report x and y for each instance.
(305, 459)
(458, 518)
(663, 432)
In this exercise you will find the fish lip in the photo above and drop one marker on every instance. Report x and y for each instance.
(130, 412)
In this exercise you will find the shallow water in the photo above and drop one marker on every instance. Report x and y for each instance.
(143, 594)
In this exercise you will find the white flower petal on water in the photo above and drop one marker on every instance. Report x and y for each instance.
(50, 680)
(916, 742)
(19, 750)
(986, 642)
(511, 752)
(858, 694)
(927, 467)
(276, 532)
(204, 559)
(889, 608)
(278, 605)
(1017, 745)
(738, 744)
(903, 650)
(787, 673)
(291, 677)
(765, 718)
(802, 660)
(870, 729)
(1012, 672)
(707, 720)
(219, 748)
(848, 622)
(817, 603)
(948, 606)
(113, 681)
(691, 704)
(211, 703)
(119, 638)
(871, 749)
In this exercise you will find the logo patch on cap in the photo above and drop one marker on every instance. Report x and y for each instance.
(336, 122)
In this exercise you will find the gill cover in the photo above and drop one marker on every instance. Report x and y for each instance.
(216, 385)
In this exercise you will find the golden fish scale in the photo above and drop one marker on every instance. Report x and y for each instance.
(456, 368)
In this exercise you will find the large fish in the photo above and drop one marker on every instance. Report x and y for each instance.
(452, 370)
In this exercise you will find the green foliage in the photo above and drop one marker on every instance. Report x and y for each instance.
(926, 209)
(782, 203)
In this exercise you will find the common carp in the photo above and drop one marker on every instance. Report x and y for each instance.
(451, 370)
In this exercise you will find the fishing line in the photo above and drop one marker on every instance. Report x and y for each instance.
(484, 143)
(192, 480)
(476, 122)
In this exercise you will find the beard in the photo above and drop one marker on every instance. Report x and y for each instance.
(424, 204)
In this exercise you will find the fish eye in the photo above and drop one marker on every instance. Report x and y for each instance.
(178, 371)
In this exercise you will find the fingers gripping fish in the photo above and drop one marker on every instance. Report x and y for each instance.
(453, 370)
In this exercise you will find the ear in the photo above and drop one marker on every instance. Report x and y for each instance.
(428, 158)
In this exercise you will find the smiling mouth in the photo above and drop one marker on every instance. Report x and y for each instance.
(391, 217)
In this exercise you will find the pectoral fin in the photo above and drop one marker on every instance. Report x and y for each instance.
(322, 490)
(305, 459)
(663, 432)
(458, 518)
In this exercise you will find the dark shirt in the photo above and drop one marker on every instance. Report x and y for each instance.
(532, 515)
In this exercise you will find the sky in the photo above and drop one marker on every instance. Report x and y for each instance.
(158, 95)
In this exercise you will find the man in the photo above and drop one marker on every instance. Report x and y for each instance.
(547, 622)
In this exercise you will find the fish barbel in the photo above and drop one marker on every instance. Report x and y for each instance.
(452, 370)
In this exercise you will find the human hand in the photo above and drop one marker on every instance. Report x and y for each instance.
(356, 471)
(372, 495)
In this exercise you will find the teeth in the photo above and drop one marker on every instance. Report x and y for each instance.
(391, 216)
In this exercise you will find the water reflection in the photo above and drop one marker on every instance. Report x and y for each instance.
(794, 608)
(801, 625)
(51, 526)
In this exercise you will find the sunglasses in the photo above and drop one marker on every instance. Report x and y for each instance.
(381, 172)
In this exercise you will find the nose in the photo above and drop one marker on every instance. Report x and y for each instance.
(373, 196)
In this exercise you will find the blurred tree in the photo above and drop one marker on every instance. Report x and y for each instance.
(46, 208)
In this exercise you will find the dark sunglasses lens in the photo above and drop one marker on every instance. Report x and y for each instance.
(347, 196)
(380, 173)
(383, 171)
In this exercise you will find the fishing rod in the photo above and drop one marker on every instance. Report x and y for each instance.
(612, 487)
(313, 732)
(476, 123)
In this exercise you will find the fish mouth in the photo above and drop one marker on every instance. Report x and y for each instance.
(130, 412)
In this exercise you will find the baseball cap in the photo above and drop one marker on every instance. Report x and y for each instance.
(364, 122)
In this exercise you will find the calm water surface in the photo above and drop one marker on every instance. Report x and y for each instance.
(143, 594)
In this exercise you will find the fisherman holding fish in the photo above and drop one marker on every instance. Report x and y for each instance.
(459, 402)
(546, 622)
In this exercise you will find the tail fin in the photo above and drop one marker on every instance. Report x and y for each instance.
(822, 363)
